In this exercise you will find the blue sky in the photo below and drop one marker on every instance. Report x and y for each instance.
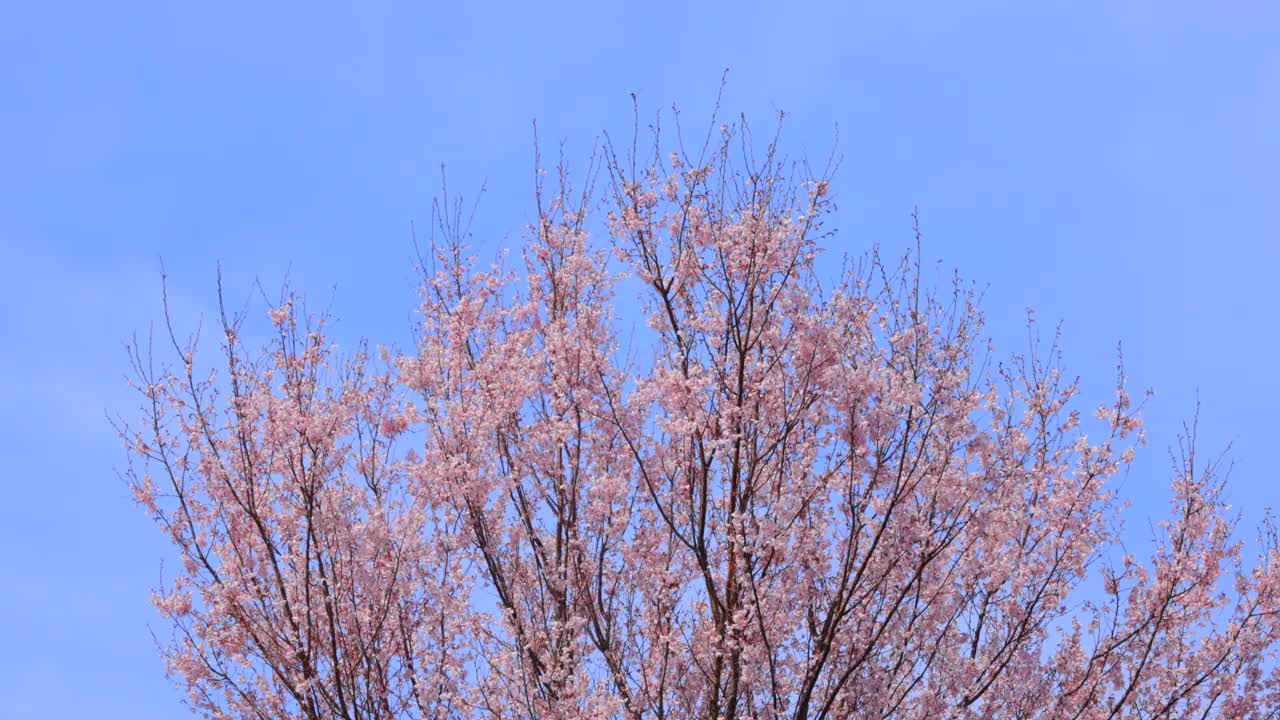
(1113, 165)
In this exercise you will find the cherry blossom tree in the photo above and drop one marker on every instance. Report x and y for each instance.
(799, 489)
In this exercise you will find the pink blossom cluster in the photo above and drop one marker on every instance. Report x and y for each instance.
(792, 500)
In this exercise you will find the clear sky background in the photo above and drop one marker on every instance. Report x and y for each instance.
(1115, 165)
